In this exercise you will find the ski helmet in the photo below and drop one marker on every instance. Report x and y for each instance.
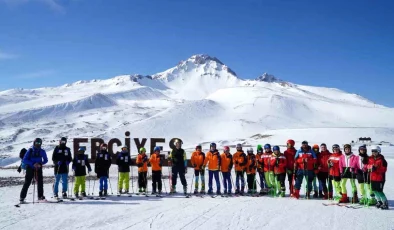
(276, 148)
(239, 146)
(157, 149)
(316, 147)
(304, 143)
(290, 142)
(375, 148)
(177, 141)
(267, 146)
(103, 146)
(323, 144)
(335, 146)
(364, 147)
(212, 145)
(82, 149)
(226, 148)
(347, 146)
(250, 150)
(259, 147)
(63, 141)
(198, 147)
(37, 142)
(142, 150)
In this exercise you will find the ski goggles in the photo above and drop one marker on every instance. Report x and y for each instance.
(375, 151)
(82, 148)
(37, 143)
(316, 150)
(63, 142)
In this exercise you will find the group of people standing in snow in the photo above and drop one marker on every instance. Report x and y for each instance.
(323, 171)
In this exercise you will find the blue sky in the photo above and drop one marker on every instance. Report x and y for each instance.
(342, 44)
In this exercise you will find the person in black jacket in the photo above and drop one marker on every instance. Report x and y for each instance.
(123, 161)
(80, 163)
(101, 168)
(61, 158)
(178, 161)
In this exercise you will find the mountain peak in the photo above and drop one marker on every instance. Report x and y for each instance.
(203, 58)
(268, 78)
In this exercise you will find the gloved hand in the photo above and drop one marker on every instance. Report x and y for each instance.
(193, 165)
(160, 164)
(145, 159)
(277, 162)
(316, 171)
(89, 171)
(305, 160)
(236, 162)
(185, 169)
(59, 163)
(330, 164)
(37, 165)
(140, 165)
(19, 170)
(67, 162)
(203, 167)
(73, 173)
(289, 171)
(373, 169)
(230, 168)
(250, 168)
(175, 160)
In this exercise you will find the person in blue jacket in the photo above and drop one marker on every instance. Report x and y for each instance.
(34, 159)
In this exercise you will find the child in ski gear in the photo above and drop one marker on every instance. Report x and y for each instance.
(80, 163)
(156, 163)
(197, 160)
(279, 163)
(377, 165)
(322, 164)
(21, 156)
(268, 170)
(142, 164)
(239, 160)
(213, 161)
(348, 167)
(34, 159)
(290, 153)
(334, 173)
(178, 161)
(260, 169)
(123, 161)
(251, 171)
(61, 158)
(317, 190)
(305, 165)
(364, 179)
(226, 167)
(101, 168)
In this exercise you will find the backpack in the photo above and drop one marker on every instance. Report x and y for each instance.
(22, 153)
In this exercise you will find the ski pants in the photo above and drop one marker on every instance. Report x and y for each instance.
(227, 182)
(156, 181)
(269, 179)
(279, 185)
(124, 179)
(251, 178)
(64, 178)
(263, 184)
(103, 183)
(377, 189)
(37, 175)
(335, 181)
(323, 176)
(199, 174)
(364, 184)
(80, 182)
(308, 174)
(181, 172)
(142, 179)
(211, 175)
(239, 175)
(343, 185)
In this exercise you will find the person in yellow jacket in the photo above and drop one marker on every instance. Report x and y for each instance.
(213, 161)
(142, 164)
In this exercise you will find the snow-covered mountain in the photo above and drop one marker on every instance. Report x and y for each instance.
(200, 100)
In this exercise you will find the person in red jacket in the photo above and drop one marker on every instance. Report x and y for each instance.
(290, 155)
(334, 173)
(260, 169)
(278, 163)
(377, 165)
(305, 160)
(322, 164)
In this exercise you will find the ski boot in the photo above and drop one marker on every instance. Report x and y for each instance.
(308, 195)
(22, 201)
(195, 191)
(296, 194)
(385, 205)
(330, 197)
(242, 190)
(153, 193)
(218, 192)
(282, 194)
(321, 195)
(56, 196)
(101, 193)
(372, 201)
(344, 199)
(236, 191)
(42, 198)
(210, 192)
(261, 192)
(105, 192)
(363, 201)
(355, 198)
(315, 194)
(64, 195)
(379, 204)
(83, 194)
(173, 190)
(76, 195)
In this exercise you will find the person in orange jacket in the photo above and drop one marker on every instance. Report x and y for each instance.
(251, 171)
(197, 160)
(213, 161)
(260, 169)
(278, 163)
(156, 162)
(290, 153)
(226, 166)
(239, 160)
(142, 164)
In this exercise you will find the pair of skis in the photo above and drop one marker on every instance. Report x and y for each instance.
(346, 205)
(39, 202)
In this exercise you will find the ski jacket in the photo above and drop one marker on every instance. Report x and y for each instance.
(156, 162)
(35, 155)
(306, 159)
(123, 161)
(80, 163)
(251, 165)
(226, 162)
(278, 163)
(290, 156)
(259, 162)
(142, 162)
(102, 164)
(378, 166)
(178, 158)
(213, 160)
(197, 160)
(349, 161)
(334, 169)
(61, 154)
(239, 160)
(363, 160)
(267, 161)
(322, 161)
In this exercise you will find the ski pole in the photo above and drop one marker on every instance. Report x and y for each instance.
(146, 182)
(34, 183)
(221, 176)
(164, 184)
(231, 178)
(53, 186)
(132, 179)
(94, 183)
(110, 186)
(88, 184)
(191, 184)
(72, 184)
